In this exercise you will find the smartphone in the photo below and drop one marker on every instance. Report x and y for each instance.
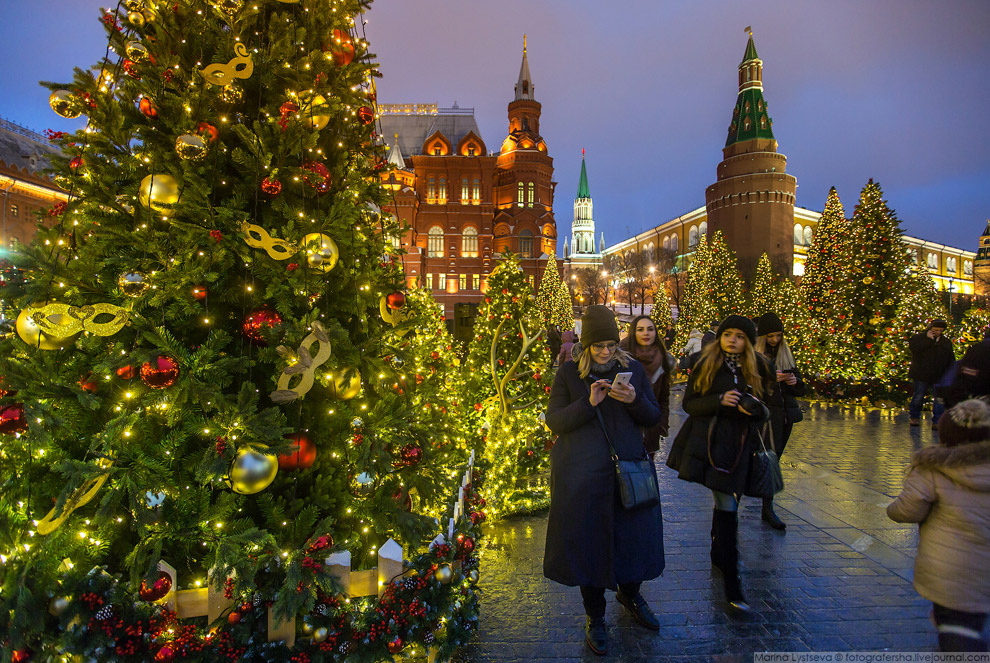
(622, 379)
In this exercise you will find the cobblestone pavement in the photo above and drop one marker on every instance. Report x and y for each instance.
(838, 580)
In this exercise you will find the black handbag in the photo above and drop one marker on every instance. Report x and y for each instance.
(636, 480)
(764, 478)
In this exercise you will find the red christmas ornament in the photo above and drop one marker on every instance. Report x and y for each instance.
(12, 419)
(434, 355)
(271, 187)
(478, 517)
(209, 130)
(395, 300)
(366, 115)
(233, 617)
(465, 544)
(395, 645)
(302, 458)
(160, 373)
(88, 385)
(148, 108)
(199, 292)
(537, 376)
(317, 176)
(409, 455)
(125, 372)
(341, 46)
(165, 655)
(158, 590)
(403, 499)
(129, 69)
(288, 109)
(20, 656)
(76, 164)
(261, 324)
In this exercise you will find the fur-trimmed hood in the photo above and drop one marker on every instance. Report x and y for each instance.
(966, 464)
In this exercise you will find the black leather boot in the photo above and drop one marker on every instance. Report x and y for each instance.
(770, 517)
(596, 636)
(716, 554)
(726, 527)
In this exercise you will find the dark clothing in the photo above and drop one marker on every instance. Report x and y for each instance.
(734, 437)
(661, 391)
(591, 540)
(553, 340)
(958, 630)
(594, 598)
(709, 337)
(918, 399)
(972, 375)
(930, 358)
(668, 338)
(784, 408)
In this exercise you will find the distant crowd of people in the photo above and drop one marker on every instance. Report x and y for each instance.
(610, 404)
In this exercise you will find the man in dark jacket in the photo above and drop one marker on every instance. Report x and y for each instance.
(972, 379)
(931, 357)
(710, 335)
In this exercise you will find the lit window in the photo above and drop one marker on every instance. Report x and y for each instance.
(666, 243)
(798, 269)
(798, 234)
(968, 268)
(532, 193)
(673, 243)
(431, 191)
(441, 281)
(469, 243)
(435, 247)
(476, 191)
(14, 211)
(429, 281)
(703, 228)
(808, 235)
(443, 191)
(693, 237)
(526, 244)
(519, 195)
(462, 282)
(476, 281)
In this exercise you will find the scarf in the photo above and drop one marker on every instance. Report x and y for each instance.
(649, 356)
(600, 369)
(732, 361)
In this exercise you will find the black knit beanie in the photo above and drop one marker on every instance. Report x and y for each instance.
(769, 323)
(597, 325)
(740, 322)
(967, 422)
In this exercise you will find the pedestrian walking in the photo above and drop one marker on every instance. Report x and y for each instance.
(592, 541)
(972, 378)
(947, 491)
(646, 347)
(566, 343)
(931, 357)
(715, 444)
(690, 351)
(554, 341)
(782, 400)
(711, 334)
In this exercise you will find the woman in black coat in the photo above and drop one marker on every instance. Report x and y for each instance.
(592, 541)
(784, 408)
(721, 433)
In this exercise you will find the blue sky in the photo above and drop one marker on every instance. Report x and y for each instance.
(897, 90)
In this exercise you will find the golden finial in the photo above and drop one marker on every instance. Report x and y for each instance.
(749, 30)
(524, 44)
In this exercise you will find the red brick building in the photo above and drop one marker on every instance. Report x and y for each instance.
(464, 206)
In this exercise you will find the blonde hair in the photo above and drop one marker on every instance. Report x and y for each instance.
(785, 358)
(585, 360)
(711, 360)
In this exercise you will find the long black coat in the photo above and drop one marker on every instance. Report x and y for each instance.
(930, 358)
(734, 437)
(591, 540)
(783, 405)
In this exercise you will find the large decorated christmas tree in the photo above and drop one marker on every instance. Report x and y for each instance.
(713, 288)
(919, 305)
(202, 411)
(505, 379)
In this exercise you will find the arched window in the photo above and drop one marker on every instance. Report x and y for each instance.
(519, 195)
(469, 243)
(798, 234)
(431, 191)
(950, 265)
(666, 243)
(673, 243)
(465, 199)
(443, 191)
(968, 268)
(808, 235)
(476, 192)
(435, 247)
(526, 243)
(703, 228)
(932, 261)
(532, 194)
(693, 237)
(651, 251)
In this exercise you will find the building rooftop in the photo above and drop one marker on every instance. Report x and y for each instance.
(24, 149)
(414, 123)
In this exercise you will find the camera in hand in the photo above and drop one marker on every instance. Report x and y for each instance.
(750, 403)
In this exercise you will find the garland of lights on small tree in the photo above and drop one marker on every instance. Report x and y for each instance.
(972, 330)
(761, 294)
(548, 293)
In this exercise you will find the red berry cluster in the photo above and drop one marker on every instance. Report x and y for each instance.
(110, 20)
(58, 209)
(221, 448)
(217, 235)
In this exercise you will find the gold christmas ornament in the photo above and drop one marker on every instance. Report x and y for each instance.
(31, 333)
(62, 320)
(231, 94)
(868, 280)
(136, 51)
(136, 19)
(79, 497)
(306, 627)
(190, 147)
(64, 103)
(159, 190)
(321, 251)
(240, 66)
(364, 484)
(305, 366)
(132, 284)
(320, 634)
(314, 110)
(444, 574)
(390, 315)
(258, 238)
(229, 7)
(346, 386)
(473, 576)
(252, 471)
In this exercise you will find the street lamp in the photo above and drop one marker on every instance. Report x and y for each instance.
(951, 280)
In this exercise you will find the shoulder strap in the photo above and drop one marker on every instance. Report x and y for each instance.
(601, 422)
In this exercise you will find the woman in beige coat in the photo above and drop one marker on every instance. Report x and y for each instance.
(947, 491)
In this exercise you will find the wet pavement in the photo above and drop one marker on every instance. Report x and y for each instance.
(838, 580)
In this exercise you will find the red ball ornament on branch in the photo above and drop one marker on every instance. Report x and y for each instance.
(366, 115)
(304, 455)
(211, 131)
(409, 456)
(148, 108)
(395, 300)
(199, 292)
(20, 656)
(465, 545)
(165, 655)
(233, 618)
(260, 325)
(76, 164)
(157, 590)
(395, 645)
(341, 46)
(126, 372)
(316, 176)
(160, 373)
(271, 187)
(12, 419)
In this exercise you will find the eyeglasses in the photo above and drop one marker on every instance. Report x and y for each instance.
(601, 347)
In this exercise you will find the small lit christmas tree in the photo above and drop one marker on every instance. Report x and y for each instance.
(548, 292)
(698, 308)
(794, 315)
(660, 313)
(563, 312)
(975, 324)
(503, 379)
(726, 287)
(761, 294)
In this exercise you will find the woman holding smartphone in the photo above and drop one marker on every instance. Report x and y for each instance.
(721, 433)
(646, 346)
(592, 541)
(784, 408)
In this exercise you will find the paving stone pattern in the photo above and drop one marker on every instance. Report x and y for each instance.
(838, 580)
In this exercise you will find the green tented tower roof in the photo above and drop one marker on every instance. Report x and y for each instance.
(584, 191)
(750, 51)
(750, 117)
